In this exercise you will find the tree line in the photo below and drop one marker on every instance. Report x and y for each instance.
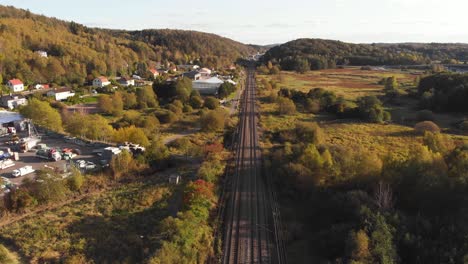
(315, 54)
(77, 53)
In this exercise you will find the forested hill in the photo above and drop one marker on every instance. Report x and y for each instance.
(321, 53)
(77, 53)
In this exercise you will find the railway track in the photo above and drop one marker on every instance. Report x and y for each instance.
(250, 215)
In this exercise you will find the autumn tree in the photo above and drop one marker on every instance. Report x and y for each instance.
(146, 97)
(286, 106)
(211, 102)
(212, 121)
(42, 114)
(131, 134)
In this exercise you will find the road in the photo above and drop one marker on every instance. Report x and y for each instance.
(249, 222)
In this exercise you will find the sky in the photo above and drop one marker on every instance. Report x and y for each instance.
(273, 21)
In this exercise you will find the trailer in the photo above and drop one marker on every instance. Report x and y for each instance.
(22, 171)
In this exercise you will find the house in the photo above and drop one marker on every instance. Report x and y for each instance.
(61, 94)
(188, 67)
(193, 75)
(100, 82)
(42, 53)
(155, 73)
(126, 82)
(205, 72)
(15, 85)
(13, 101)
(207, 86)
(41, 86)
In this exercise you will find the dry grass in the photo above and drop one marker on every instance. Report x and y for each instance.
(349, 83)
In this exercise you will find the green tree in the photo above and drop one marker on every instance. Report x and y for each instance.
(302, 65)
(196, 102)
(212, 121)
(211, 103)
(122, 165)
(76, 180)
(105, 104)
(146, 97)
(357, 246)
(183, 89)
(42, 114)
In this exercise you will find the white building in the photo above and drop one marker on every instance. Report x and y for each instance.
(61, 93)
(42, 53)
(13, 101)
(207, 86)
(100, 82)
(205, 72)
(15, 85)
(155, 73)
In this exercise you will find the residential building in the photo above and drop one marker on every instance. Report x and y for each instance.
(15, 85)
(207, 86)
(61, 94)
(155, 73)
(100, 82)
(188, 67)
(193, 75)
(42, 53)
(13, 101)
(41, 86)
(205, 72)
(126, 81)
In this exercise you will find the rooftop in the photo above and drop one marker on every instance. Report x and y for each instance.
(16, 81)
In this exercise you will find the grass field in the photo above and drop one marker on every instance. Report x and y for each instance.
(349, 83)
(117, 225)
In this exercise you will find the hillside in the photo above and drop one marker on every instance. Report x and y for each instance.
(77, 53)
(322, 54)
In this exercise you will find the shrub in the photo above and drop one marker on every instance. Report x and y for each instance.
(286, 106)
(211, 102)
(168, 117)
(426, 126)
(212, 121)
(309, 133)
(425, 115)
(196, 101)
(312, 106)
(438, 142)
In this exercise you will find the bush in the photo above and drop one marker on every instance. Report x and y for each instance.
(425, 115)
(438, 142)
(426, 126)
(212, 121)
(211, 103)
(312, 106)
(168, 117)
(286, 106)
(196, 101)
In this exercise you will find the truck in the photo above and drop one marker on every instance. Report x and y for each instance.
(28, 143)
(49, 154)
(6, 164)
(22, 171)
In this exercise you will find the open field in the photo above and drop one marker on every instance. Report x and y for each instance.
(122, 223)
(349, 82)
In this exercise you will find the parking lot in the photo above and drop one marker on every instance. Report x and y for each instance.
(52, 141)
